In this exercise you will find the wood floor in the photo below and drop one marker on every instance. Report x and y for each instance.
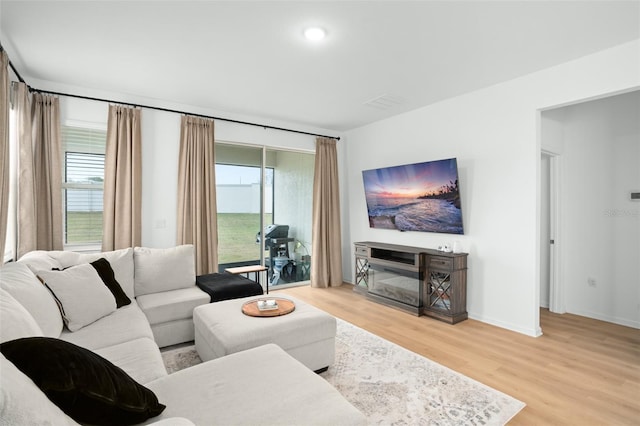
(580, 372)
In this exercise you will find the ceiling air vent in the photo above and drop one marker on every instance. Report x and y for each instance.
(384, 101)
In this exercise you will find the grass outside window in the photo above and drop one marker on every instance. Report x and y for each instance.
(236, 233)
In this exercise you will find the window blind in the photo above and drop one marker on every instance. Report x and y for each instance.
(83, 184)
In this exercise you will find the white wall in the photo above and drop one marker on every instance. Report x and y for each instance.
(494, 134)
(241, 198)
(600, 225)
(293, 195)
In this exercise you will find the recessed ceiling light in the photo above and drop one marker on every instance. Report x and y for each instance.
(314, 33)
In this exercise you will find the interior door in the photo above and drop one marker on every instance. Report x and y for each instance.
(545, 230)
(550, 244)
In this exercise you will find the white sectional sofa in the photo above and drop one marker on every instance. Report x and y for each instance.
(261, 385)
(162, 281)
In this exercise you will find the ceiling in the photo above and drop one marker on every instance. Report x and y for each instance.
(250, 59)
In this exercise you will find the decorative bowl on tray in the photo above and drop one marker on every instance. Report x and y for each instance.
(267, 304)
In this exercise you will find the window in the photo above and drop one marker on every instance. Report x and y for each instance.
(83, 180)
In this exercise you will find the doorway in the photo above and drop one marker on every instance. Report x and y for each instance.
(592, 146)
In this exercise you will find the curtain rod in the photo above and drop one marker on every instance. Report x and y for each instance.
(265, 126)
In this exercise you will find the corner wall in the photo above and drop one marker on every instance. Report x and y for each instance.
(494, 134)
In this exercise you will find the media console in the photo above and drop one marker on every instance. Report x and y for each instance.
(418, 280)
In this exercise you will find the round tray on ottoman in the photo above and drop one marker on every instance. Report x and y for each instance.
(283, 307)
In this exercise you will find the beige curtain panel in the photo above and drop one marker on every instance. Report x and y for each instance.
(4, 148)
(197, 211)
(326, 256)
(47, 170)
(27, 232)
(122, 220)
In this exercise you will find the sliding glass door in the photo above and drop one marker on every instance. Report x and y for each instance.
(264, 199)
(288, 256)
(238, 196)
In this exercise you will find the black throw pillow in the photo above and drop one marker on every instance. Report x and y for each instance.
(87, 387)
(103, 267)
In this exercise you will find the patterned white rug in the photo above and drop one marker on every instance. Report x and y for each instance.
(394, 386)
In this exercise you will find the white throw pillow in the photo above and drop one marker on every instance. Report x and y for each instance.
(121, 262)
(23, 403)
(21, 283)
(15, 321)
(158, 270)
(83, 296)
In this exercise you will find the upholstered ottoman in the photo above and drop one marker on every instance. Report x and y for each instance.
(308, 334)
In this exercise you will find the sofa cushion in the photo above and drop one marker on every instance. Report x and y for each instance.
(171, 305)
(84, 385)
(105, 271)
(120, 260)
(125, 324)
(15, 320)
(19, 396)
(263, 385)
(20, 281)
(39, 260)
(158, 270)
(82, 295)
(139, 358)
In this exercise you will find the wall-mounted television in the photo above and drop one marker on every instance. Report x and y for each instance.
(421, 197)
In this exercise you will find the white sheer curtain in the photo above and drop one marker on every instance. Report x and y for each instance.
(27, 231)
(4, 148)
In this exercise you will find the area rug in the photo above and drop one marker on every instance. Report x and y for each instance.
(394, 386)
(180, 357)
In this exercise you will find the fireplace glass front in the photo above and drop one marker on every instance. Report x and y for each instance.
(397, 284)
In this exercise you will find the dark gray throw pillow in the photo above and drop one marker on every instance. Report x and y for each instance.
(87, 387)
(103, 267)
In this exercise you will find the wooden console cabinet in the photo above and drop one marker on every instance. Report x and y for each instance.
(445, 289)
(418, 280)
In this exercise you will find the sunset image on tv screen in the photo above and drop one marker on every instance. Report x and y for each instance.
(415, 197)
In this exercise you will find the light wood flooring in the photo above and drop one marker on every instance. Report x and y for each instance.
(580, 372)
